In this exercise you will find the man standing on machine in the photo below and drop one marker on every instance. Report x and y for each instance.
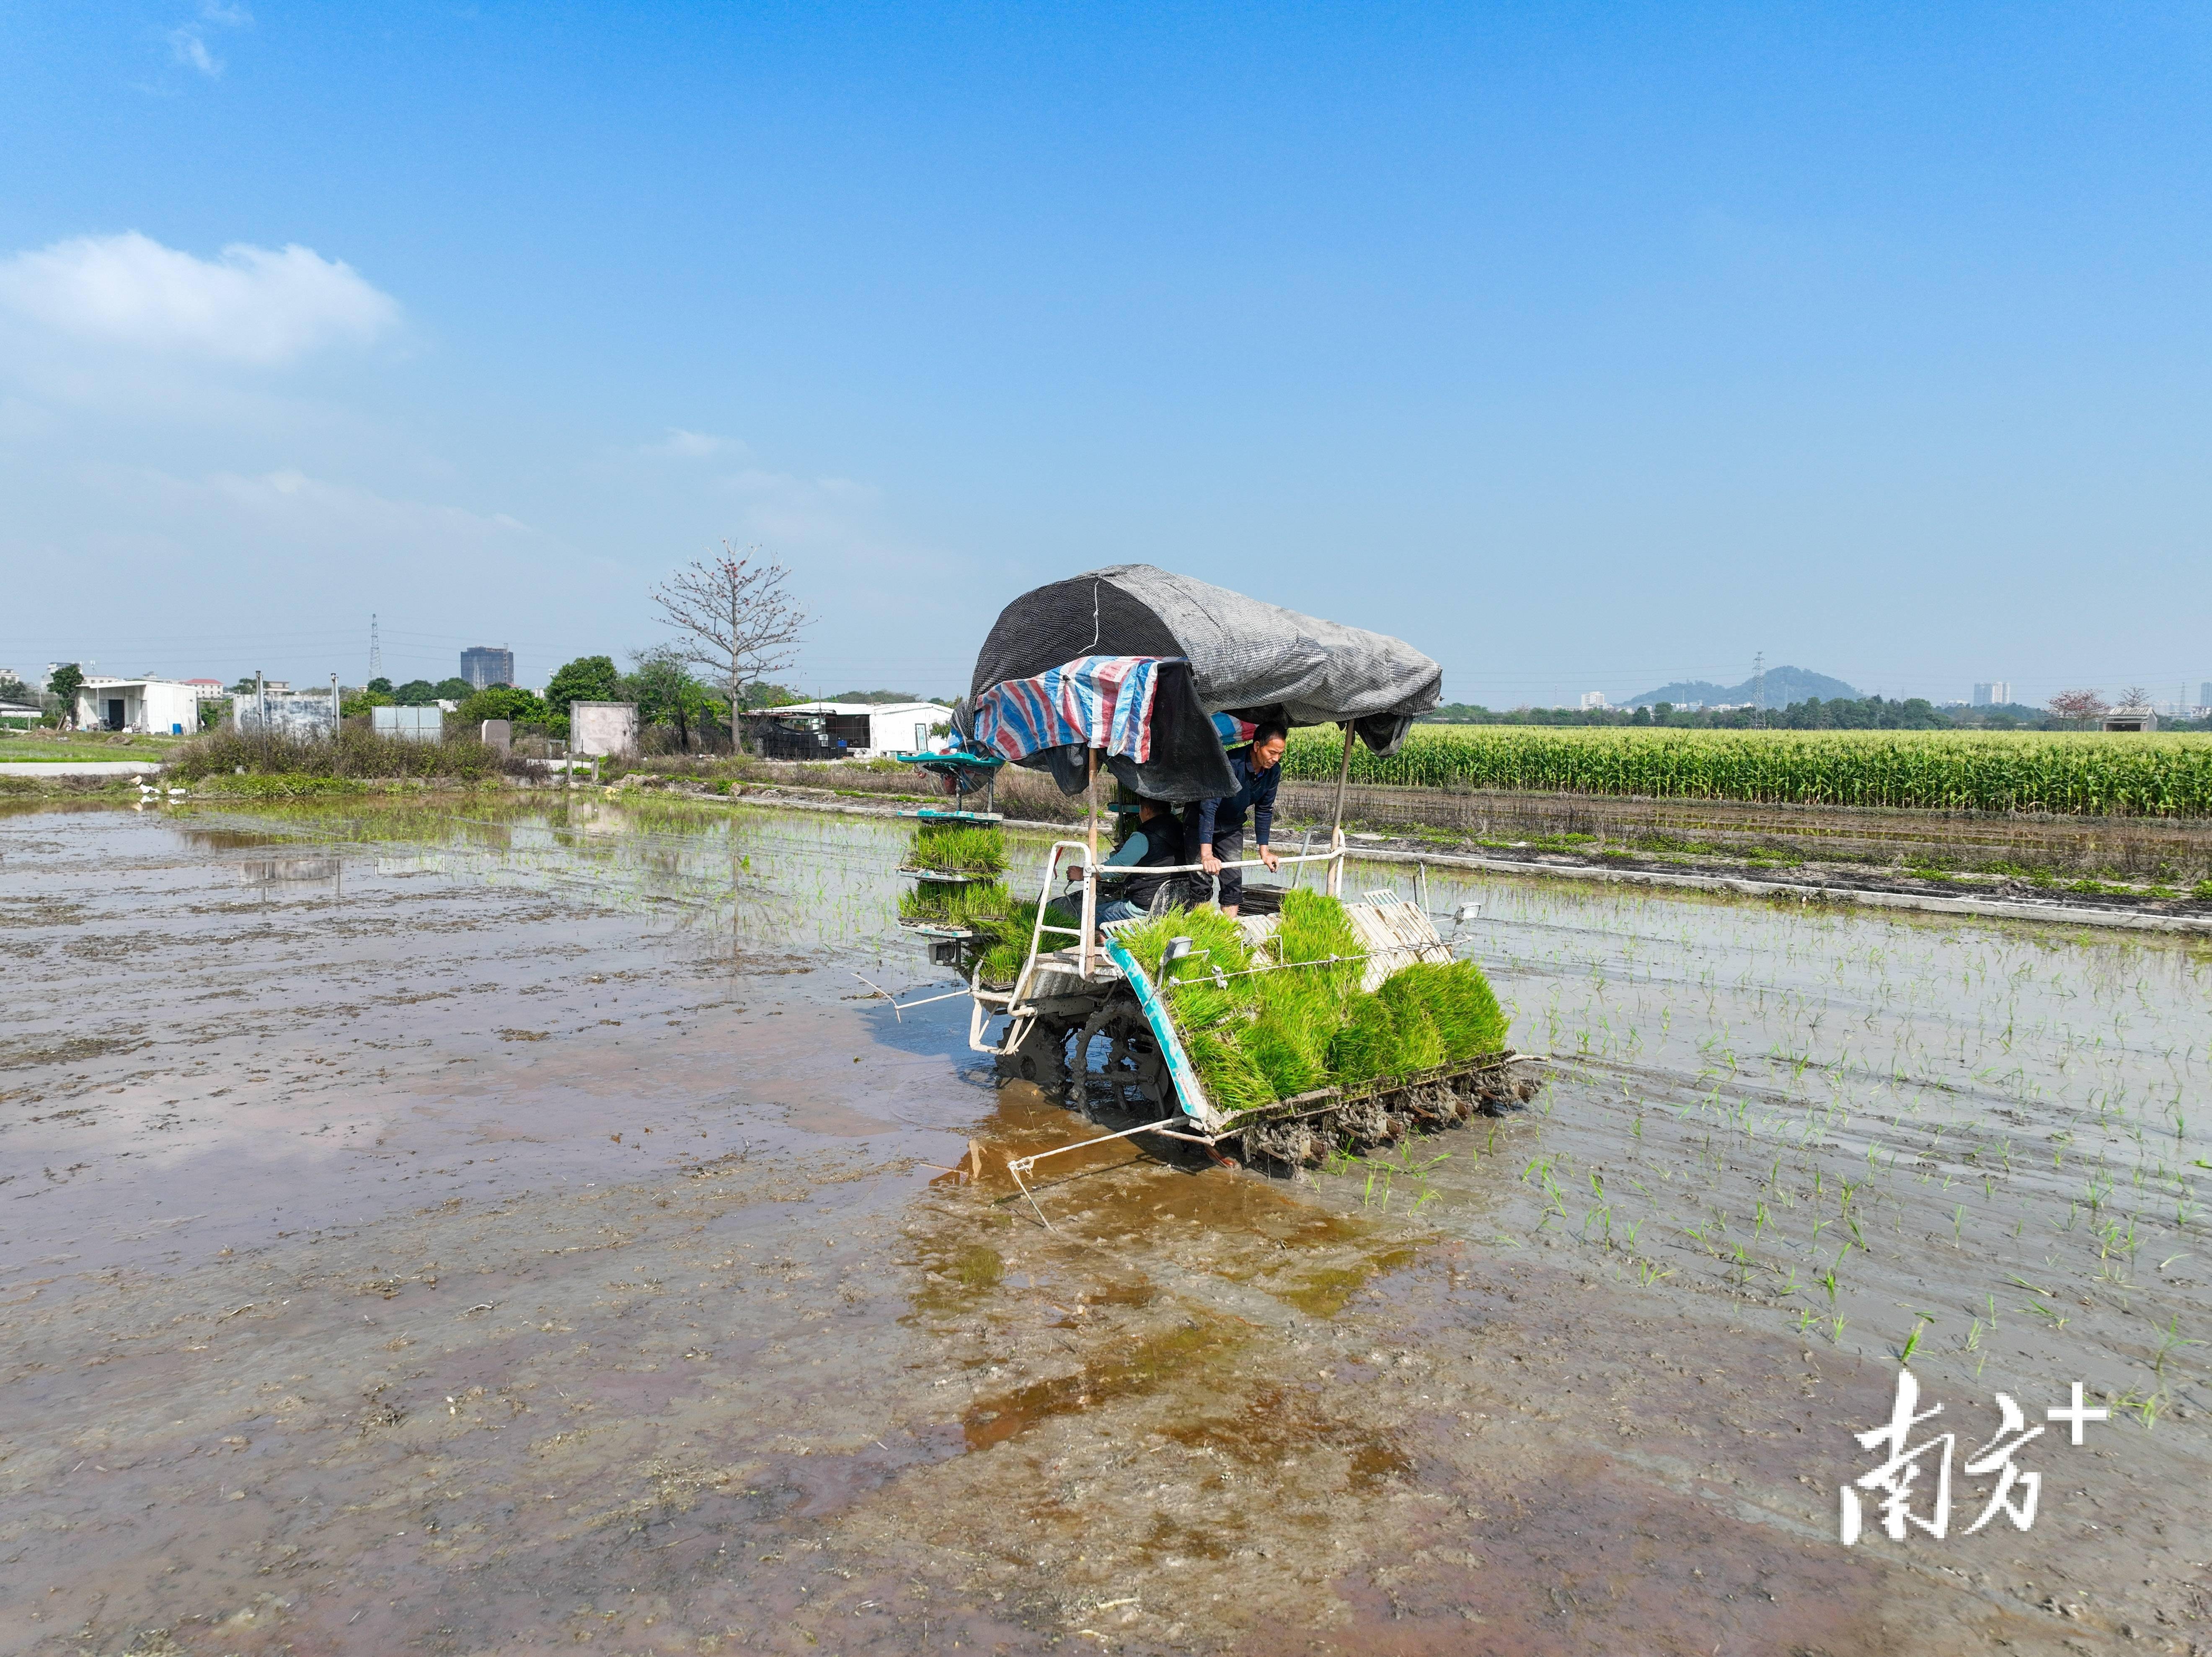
(1216, 827)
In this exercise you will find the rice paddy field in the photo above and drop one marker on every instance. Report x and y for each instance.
(2086, 772)
(557, 1239)
(1978, 1143)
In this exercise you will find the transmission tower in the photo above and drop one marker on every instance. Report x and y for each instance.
(1758, 689)
(375, 650)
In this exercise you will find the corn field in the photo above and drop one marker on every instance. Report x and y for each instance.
(2087, 772)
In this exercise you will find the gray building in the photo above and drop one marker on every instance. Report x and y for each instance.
(1996, 694)
(482, 666)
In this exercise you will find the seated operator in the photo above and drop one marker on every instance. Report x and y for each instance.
(1216, 827)
(1155, 843)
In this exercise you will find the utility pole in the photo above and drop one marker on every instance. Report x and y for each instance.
(375, 651)
(1758, 689)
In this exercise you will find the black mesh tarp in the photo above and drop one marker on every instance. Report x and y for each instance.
(1253, 659)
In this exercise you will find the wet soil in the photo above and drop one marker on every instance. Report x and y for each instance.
(420, 1233)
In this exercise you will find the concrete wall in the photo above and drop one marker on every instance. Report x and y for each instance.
(410, 724)
(609, 728)
(306, 714)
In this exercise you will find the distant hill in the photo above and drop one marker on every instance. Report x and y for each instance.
(1785, 685)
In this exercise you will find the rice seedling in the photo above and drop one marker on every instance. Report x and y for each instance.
(1911, 1345)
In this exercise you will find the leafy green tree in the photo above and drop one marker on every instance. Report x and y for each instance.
(666, 693)
(455, 690)
(62, 684)
(416, 693)
(13, 689)
(504, 701)
(587, 679)
(381, 687)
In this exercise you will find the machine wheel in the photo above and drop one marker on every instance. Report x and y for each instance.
(1126, 1071)
(1041, 1058)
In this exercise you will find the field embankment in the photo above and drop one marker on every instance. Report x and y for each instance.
(270, 762)
(2036, 848)
(2067, 773)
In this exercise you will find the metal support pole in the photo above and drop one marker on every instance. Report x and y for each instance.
(1343, 777)
(1090, 867)
(1336, 823)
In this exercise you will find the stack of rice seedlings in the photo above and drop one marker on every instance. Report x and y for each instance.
(979, 905)
(970, 896)
(961, 848)
(1000, 963)
(1231, 1073)
(1301, 1023)
(1314, 928)
(1459, 1002)
(1418, 1045)
(1364, 1046)
(1217, 946)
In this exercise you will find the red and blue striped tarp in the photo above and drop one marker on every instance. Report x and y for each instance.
(1093, 701)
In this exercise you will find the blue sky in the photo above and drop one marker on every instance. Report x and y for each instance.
(1584, 347)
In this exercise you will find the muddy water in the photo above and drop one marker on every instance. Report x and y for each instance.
(422, 1231)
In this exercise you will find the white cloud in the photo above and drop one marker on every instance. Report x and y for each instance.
(254, 305)
(189, 48)
(297, 509)
(680, 445)
(188, 41)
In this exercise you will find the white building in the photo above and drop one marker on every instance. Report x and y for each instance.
(1593, 700)
(1997, 692)
(166, 708)
(862, 730)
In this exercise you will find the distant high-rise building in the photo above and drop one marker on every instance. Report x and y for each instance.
(1996, 694)
(482, 665)
(2204, 694)
(1593, 700)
